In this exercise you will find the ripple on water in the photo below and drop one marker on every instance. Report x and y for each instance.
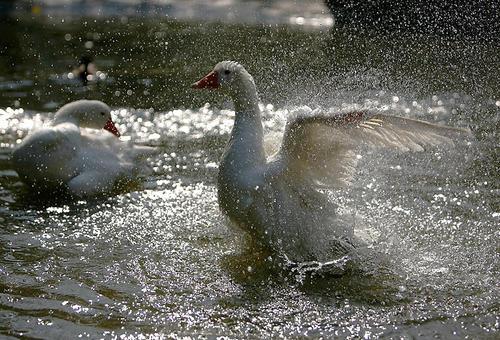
(163, 260)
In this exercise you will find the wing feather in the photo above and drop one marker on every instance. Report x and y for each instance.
(321, 147)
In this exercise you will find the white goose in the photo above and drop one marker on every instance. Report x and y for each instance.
(64, 156)
(276, 198)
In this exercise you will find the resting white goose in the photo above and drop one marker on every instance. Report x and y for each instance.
(85, 162)
(276, 197)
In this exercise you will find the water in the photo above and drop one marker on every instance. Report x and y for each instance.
(162, 261)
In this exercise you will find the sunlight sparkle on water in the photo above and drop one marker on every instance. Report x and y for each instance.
(159, 259)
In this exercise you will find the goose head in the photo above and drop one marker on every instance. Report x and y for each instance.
(85, 61)
(92, 114)
(231, 78)
(86, 68)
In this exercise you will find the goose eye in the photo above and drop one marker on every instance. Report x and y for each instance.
(103, 113)
(227, 72)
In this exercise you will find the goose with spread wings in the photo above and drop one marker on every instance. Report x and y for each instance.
(277, 198)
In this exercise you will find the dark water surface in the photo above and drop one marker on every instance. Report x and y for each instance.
(162, 261)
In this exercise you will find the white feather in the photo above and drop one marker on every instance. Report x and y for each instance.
(320, 147)
(87, 162)
(276, 198)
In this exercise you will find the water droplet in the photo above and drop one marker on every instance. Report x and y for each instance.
(89, 44)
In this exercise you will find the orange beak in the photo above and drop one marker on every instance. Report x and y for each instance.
(210, 81)
(110, 126)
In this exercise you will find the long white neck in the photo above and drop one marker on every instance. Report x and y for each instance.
(245, 148)
(244, 155)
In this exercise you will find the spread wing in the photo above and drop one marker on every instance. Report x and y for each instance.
(321, 147)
